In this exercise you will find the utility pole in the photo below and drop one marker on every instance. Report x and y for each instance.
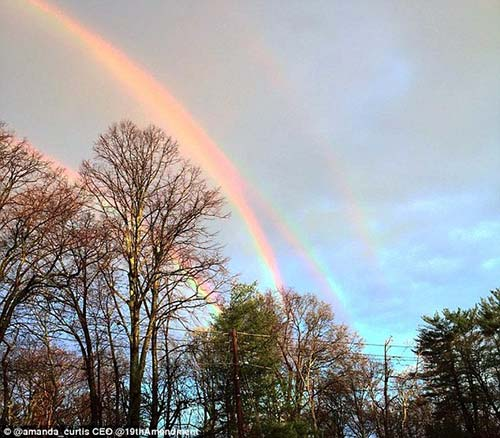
(236, 383)
(387, 376)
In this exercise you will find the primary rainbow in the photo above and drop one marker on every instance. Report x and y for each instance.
(190, 135)
(198, 145)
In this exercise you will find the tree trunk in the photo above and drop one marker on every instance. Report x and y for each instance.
(88, 357)
(116, 374)
(135, 382)
(95, 408)
(155, 411)
(4, 421)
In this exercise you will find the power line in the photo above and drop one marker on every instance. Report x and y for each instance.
(360, 343)
(262, 335)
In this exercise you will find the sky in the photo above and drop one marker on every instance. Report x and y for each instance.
(363, 136)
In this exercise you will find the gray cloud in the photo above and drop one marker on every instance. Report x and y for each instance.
(373, 127)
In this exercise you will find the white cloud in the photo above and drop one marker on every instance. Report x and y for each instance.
(443, 265)
(480, 232)
(491, 264)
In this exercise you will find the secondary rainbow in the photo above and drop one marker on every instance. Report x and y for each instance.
(269, 63)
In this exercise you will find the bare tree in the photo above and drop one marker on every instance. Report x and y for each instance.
(156, 205)
(36, 205)
(77, 304)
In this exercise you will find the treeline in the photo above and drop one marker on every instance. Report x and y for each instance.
(103, 283)
(303, 374)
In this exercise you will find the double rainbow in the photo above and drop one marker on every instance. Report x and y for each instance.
(195, 143)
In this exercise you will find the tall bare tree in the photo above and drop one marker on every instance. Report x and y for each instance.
(156, 206)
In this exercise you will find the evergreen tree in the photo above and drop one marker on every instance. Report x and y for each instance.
(461, 370)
